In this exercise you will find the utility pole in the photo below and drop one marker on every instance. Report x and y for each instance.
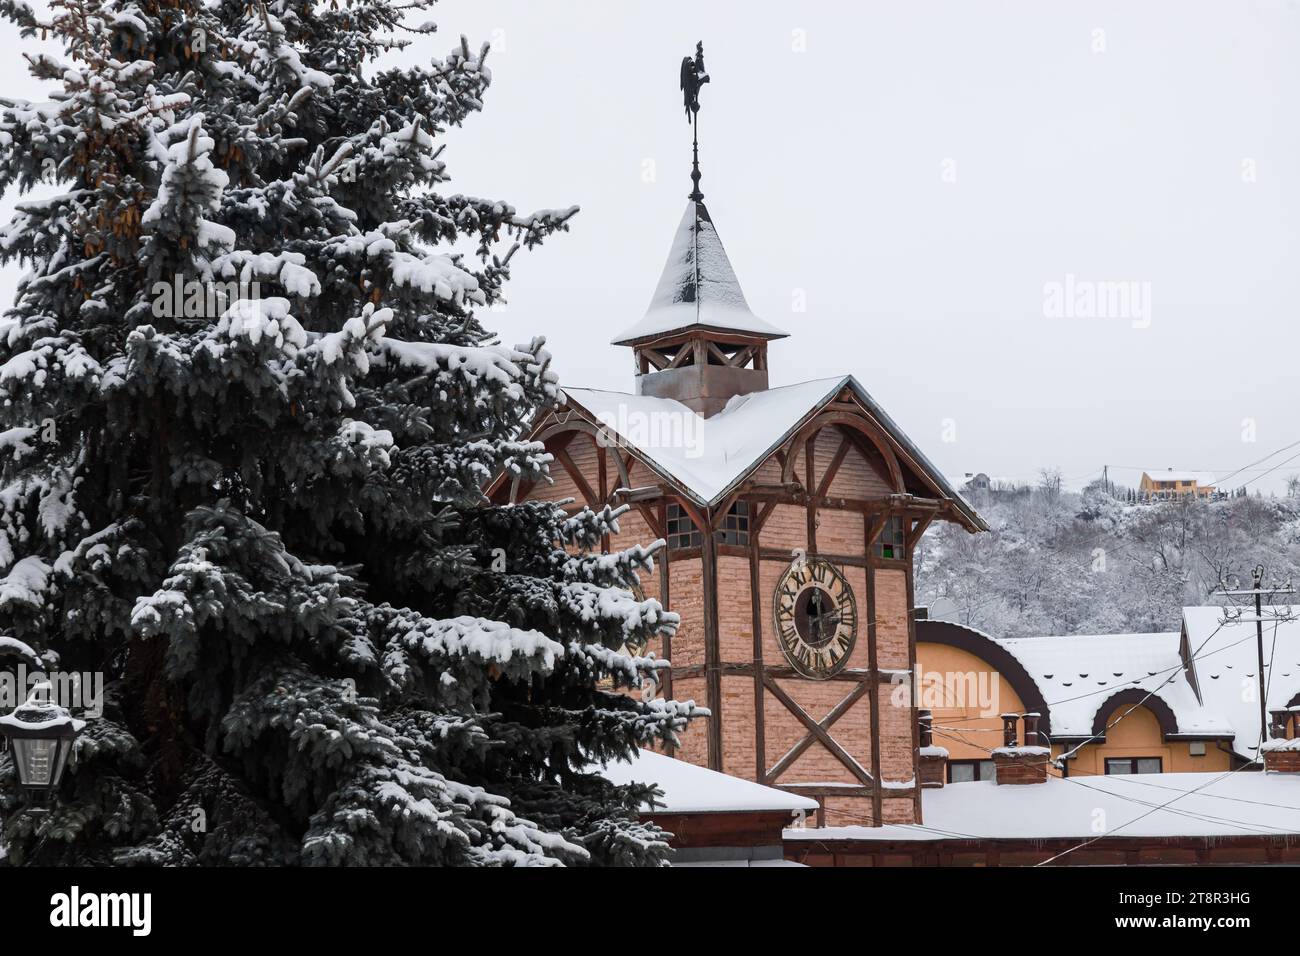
(1276, 615)
(1257, 576)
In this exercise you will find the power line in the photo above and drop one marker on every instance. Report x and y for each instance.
(1261, 461)
(1066, 755)
(1112, 690)
(1167, 804)
(1190, 814)
(1163, 806)
(1271, 470)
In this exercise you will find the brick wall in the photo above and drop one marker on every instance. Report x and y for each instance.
(1282, 761)
(1020, 769)
(838, 532)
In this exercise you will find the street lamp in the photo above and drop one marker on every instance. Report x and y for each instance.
(40, 734)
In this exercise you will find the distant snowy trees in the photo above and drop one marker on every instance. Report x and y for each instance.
(1094, 562)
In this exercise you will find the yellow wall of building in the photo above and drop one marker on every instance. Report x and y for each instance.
(965, 725)
(1175, 488)
(1139, 735)
(968, 725)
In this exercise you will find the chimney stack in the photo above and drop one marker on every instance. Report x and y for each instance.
(1009, 729)
(1282, 752)
(1016, 764)
(933, 760)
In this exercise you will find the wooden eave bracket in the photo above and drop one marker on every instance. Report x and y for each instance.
(774, 489)
(913, 503)
(643, 493)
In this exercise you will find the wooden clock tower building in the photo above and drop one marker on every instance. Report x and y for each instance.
(790, 514)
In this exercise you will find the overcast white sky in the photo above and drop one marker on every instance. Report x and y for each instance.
(917, 172)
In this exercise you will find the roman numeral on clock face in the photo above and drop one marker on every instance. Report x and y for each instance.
(816, 618)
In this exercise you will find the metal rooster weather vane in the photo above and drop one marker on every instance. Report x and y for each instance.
(693, 76)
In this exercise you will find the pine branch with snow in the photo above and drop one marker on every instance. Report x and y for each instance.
(247, 411)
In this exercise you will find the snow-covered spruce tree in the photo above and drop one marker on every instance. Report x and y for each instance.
(262, 521)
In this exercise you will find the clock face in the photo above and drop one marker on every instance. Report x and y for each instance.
(816, 617)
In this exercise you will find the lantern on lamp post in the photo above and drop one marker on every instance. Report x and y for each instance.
(40, 735)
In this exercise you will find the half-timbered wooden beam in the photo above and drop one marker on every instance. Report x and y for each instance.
(574, 472)
(810, 465)
(743, 356)
(682, 354)
(756, 608)
(918, 529)
(816, 730)
(872, 525)
(656, 359)
(712, 647)
(795, 752)
(833, 468)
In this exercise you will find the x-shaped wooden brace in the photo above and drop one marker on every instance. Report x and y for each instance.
(818, 730)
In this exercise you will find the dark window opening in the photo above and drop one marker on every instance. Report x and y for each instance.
(735, 525)
(1133, 765)
(966, 771)
(892, 542)
(682, 532)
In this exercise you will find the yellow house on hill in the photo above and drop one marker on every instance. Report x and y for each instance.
(1175, 484)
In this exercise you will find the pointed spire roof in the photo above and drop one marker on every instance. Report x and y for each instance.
(698, 288)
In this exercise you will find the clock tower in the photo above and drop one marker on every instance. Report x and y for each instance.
(790, 517)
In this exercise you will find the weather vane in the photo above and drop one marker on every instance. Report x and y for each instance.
(693, 76)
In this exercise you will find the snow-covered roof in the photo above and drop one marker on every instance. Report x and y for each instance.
(708, 457)
(1226, 661)
(1079, 673)
(1168, 474)
(698, 287)
(691, 789)
(1204, 804)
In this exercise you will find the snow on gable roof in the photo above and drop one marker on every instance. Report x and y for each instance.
(691, 789)
(698, 287)
(1078, 674)
(1204, 804)
(1168, 474)
(707, 456)
(1226, 661)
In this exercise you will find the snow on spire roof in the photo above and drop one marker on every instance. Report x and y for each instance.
(698, 287)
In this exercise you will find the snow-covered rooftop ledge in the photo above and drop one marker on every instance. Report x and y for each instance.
(691, 789)
(1159, 805)
(1021, 752)
(889, 832)
(1280, 746)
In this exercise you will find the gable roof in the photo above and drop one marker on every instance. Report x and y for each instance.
(1085, 677)
(1225, 658)
(1168, 474)
(708, 457)
(698, 288)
